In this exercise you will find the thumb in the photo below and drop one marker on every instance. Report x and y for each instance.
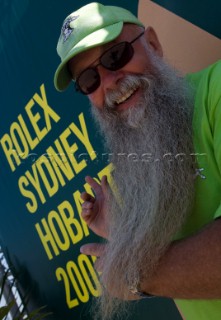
(93, 249)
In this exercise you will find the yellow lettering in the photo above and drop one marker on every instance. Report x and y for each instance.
(34, 118)
(60, 163)
(64, 243)
(10, 153)
(73, 272)
(61, 273)
(53, 187)
(35, 182)
(32, 143)
(82, 135)
(47, 239)
(33, 205)
(48, 111)
(72, 224)
(70, 150)
(89, 275)
(22, 150)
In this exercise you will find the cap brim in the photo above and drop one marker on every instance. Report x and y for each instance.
(62, 76)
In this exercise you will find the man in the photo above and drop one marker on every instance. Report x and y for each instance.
(161, 220)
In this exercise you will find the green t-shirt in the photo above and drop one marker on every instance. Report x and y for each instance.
(207, 143)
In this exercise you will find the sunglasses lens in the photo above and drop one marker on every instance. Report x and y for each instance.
(113, 59)
(88, 81)
(117, 56)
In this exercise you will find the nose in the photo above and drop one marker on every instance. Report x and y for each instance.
(109, 79)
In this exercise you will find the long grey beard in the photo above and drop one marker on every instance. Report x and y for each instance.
(155, 183)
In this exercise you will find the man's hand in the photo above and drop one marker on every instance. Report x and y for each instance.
(94, 209)
(95, 215)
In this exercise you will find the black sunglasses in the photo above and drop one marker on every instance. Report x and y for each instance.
(112, 59)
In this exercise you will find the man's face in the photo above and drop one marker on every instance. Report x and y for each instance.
(110, 80)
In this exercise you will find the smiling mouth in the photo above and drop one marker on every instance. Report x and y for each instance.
(126, 96)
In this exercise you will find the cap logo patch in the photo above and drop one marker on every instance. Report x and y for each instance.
(66, 29)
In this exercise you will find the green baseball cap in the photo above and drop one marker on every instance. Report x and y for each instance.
(92, 25)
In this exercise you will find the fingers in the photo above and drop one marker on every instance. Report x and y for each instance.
(87, 205)
(87, 197)
(98, 188)
(93, 209)
(94, 185)
(104, 184)
(87, 214)
(93, 249)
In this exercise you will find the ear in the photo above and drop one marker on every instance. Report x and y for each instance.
(153, 41)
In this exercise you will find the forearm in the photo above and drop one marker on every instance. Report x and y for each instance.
(191, 268)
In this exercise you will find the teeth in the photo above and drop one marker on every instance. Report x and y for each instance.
(126, 96)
